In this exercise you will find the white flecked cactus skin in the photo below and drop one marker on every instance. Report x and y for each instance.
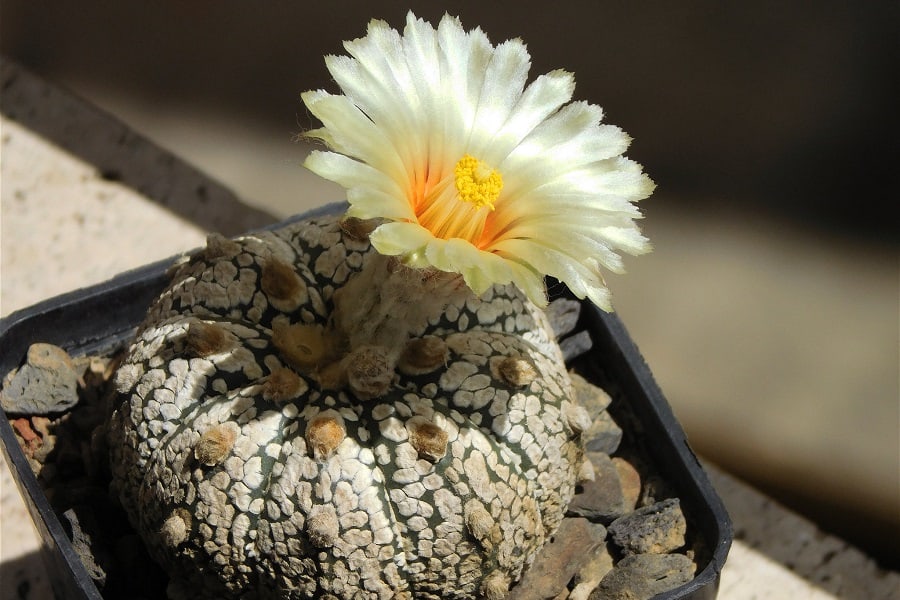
(251, 472)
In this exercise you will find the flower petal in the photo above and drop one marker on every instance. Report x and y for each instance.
(504, 80)
(399, 238)
(581, 280)
(541, 98)
(350, 132)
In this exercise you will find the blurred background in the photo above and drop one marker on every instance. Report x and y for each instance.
(769, 309)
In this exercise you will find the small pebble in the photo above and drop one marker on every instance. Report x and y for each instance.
(563, 315)
(654, 529)
(643, 576)
(604, 435)
(602, 499)
(630, 480)
(591, 574)
(82, 541)
(46, 383)
(572, 547)
(575, 345)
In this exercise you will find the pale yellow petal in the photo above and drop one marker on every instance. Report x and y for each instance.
(366, 203)
(540, 99)
(504, 80)
(350, 132)
(398, 238)
(348, 172)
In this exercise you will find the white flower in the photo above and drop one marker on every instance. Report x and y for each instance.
(476, 173)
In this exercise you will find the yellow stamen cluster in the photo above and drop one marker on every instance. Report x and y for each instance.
(476, 182)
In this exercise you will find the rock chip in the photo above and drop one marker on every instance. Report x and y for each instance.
(630, 479)
(594, 399)
(591, 574)
(602, 499)
(575, 345)
(604, 435)
(563, 315)
(571, 549)
(46, 383)
(643, 576)
(88, 552)
(655, 489)
(654, 529)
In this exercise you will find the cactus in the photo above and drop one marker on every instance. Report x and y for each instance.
(301, 417)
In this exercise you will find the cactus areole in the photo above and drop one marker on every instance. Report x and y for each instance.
(302, 417)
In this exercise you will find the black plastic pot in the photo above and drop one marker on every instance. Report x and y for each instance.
(103, 317)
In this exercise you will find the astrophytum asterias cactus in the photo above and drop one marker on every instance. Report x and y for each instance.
(271, 443)
(302, 416)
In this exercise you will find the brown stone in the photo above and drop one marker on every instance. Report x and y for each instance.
(630, 480)
(643, 576)
(563, 315)
(46, 383)
(602, 499)
(590, 576)
(654, 529)
(588, 395)
(564, 556)
(604, 435)
(575, 345)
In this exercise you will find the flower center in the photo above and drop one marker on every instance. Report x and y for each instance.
(476, 182)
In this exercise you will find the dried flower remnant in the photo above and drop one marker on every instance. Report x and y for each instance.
(302, 346)
(369, 371)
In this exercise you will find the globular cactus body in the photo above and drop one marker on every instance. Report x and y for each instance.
(261, 456)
